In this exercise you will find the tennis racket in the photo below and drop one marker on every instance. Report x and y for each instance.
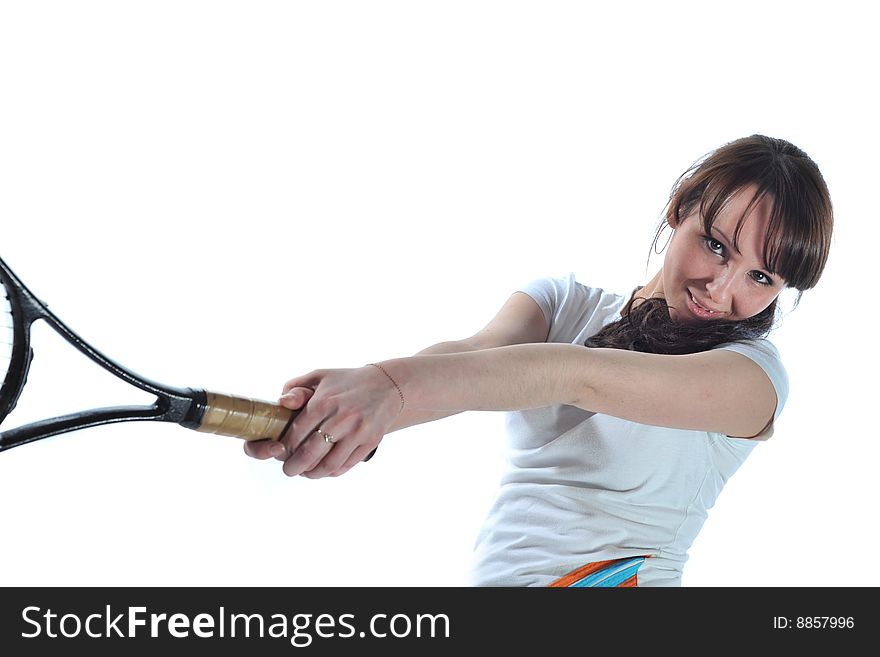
(193, 408)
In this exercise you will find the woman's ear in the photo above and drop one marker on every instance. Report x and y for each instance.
(671, 222)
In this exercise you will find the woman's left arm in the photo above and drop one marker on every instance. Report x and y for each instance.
(716, 390)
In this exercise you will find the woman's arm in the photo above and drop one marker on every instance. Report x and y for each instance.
(717, 390)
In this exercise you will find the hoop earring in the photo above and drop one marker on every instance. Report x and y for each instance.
(668, 239)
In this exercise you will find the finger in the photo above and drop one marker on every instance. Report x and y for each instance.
(281, 454)
(341, 459)
(307, 455)
(318, 472)
(302, 426)
(329, 464)
(296, 398)
(309, 380)
(357, 456)
(264, 449)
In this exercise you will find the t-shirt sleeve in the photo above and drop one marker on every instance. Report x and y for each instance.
(573, 311)
(567, 305)
(548, 293)
(765, 354)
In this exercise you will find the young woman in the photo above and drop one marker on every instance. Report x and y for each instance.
(628, 412)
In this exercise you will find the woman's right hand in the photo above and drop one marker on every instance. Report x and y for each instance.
(348, 412)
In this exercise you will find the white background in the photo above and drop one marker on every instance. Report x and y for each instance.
(228, 194)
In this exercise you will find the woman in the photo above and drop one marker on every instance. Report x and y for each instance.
(628, 412)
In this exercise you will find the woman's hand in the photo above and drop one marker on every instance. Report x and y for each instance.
(346, 414)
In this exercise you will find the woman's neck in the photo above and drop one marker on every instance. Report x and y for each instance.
(653, 288)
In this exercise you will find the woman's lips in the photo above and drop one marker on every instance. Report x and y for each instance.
(700, 311)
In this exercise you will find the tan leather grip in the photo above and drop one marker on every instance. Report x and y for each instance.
(241, 417)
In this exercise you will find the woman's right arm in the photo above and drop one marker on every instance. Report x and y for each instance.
(519, 321)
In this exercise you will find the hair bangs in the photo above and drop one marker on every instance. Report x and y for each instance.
(796, 246)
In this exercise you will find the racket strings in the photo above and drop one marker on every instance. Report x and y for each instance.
(7, 334)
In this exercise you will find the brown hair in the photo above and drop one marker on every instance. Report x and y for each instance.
(795, 248)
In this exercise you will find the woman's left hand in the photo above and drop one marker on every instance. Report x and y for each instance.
(347, 416)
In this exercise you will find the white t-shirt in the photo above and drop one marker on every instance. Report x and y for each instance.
(581, 487)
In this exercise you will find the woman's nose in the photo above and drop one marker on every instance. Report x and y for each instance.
(720, 290)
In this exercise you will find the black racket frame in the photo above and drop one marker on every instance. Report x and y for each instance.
(184, 406)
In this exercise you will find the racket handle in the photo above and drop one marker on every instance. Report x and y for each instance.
(242, 417)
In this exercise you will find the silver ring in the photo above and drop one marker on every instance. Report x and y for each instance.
(328, 438)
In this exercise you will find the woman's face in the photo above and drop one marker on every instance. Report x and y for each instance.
(705, 277)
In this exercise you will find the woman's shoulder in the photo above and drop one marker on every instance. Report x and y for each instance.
(766, 355)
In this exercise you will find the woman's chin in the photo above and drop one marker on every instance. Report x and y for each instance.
(683, 317)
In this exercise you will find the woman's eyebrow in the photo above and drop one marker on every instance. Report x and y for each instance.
(727, 239)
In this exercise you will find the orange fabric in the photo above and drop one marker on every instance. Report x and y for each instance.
(631, 582)
(579, 573)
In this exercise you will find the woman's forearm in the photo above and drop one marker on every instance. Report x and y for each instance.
(411, 417)
(716, 390)
(515, 377)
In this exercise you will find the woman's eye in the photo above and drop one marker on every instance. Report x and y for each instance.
(714, 245)
(761, 278)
